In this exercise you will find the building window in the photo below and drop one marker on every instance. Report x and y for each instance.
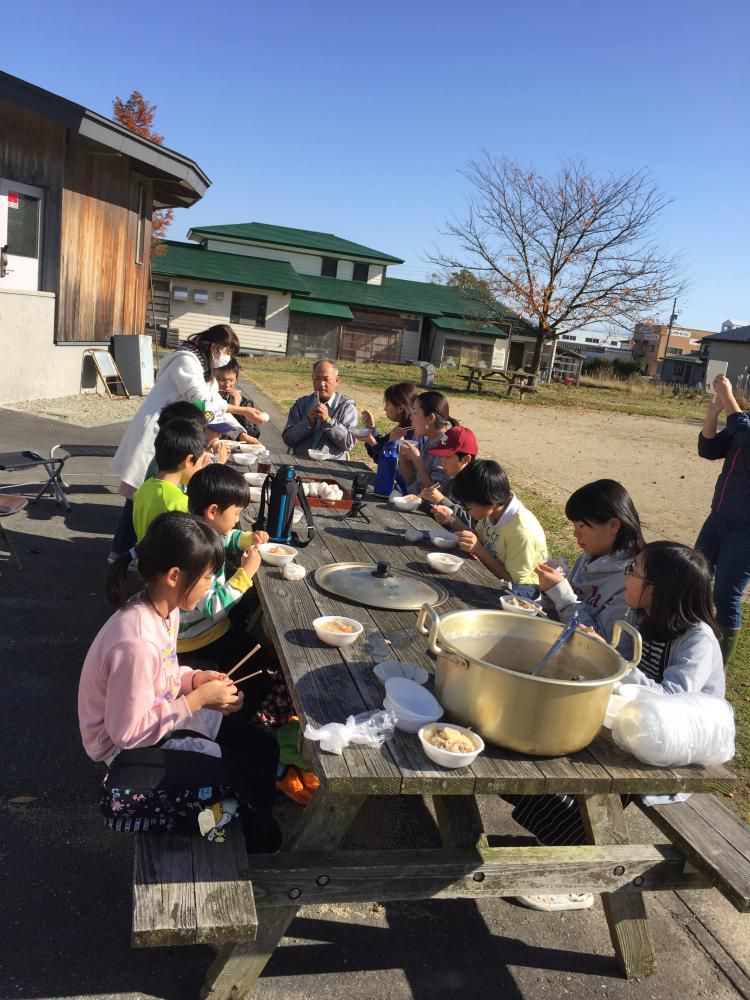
(679, 368)
(412, 325)
(140, 242)
(329, 267)
(248, 309)
(360, 272)
(463, 352)
(674, 350)
(592, 340)
(568, 336)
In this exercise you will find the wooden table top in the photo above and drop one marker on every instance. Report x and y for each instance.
(328, 684)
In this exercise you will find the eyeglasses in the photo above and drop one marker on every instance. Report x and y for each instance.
(630, 571)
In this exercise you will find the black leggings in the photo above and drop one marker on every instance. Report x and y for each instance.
(555, 820)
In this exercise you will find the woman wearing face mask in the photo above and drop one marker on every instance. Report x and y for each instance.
(185, 374)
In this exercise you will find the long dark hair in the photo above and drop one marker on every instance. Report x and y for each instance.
(680, 590)
(174, 538)
(220, 335)
(597, 502)
(402, 396)
(433, 403)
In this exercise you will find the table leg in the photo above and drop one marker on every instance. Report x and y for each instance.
(237, 967)
(459, 821)
(604, 822)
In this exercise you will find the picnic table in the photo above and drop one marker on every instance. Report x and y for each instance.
(328, 684)
(517, 381)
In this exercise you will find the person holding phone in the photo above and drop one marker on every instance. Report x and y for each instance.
(725, 536)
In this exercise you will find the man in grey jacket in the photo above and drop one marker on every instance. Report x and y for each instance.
(324, 419)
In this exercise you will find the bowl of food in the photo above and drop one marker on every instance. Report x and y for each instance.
(413, 705)
(443, 539)
(254, 478)
(334, 630)
(450, 745)
(407, 503)
(444, 563)
(244, 458)
(275, 554)
(318, 455)
(509, 602)
(395, 668)
(361, 433)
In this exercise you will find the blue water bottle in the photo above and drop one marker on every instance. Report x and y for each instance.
(386, 472)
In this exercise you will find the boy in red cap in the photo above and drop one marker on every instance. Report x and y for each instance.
(456, 452)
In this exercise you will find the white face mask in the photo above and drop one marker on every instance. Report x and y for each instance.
(221, 360)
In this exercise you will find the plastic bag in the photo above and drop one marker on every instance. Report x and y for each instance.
(676, 729)
(371, 729)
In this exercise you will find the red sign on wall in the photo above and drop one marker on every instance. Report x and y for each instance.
(12, 199)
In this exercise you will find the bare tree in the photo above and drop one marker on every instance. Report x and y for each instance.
(564, 251)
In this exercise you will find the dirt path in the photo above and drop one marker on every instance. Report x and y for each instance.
(560, 449)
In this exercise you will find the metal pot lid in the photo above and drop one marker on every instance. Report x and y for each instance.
(380, 586)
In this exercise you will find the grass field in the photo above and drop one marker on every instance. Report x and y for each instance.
(285, 379)
(289, 375)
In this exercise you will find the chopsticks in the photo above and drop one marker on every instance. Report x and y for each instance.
(244, 659)
(247, 677)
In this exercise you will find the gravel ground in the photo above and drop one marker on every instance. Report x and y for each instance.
(84, 410)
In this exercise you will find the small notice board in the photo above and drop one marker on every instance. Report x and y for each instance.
(108, 372)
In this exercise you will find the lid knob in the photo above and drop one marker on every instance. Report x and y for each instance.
(382, 570)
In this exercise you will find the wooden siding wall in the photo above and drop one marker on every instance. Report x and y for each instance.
(102, 288)
(32, 151)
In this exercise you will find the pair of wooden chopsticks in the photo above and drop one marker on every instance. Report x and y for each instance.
(244, 659)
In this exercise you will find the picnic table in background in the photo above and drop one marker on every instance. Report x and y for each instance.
(328, 684)
(516, 381)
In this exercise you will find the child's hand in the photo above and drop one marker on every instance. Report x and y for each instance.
(218, 694)
(432, 494)
(247, 439)
(260, 537)
(250, 561)
(367, 419)
(467, 540)
(222, 452)
(548, 576)
(443, 515)
(399, 433)
(231, 709)
(410, 451)
(201, 677)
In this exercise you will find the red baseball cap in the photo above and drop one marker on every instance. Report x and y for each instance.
(457, 439)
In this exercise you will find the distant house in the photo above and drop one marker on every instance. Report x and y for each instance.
(732, 346)
(592, 343)
(653, 342)
(76, 195)
(686, 370)
(311, 294)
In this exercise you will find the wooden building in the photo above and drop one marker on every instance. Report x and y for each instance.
(76, 195)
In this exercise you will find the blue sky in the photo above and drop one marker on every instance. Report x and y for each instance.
(358, 118)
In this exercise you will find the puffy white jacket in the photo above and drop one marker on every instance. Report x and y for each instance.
(180, 377)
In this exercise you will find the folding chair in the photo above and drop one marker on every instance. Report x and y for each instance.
(10, 504)
(58, 456)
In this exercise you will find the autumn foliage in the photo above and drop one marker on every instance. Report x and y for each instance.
(564, 251)
(137, 115)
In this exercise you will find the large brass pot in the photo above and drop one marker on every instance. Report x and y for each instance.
(482, 678)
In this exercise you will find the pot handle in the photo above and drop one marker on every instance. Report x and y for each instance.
(635, 635)
(425, 612)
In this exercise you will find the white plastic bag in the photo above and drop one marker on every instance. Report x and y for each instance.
(371, 729)
(676, 729)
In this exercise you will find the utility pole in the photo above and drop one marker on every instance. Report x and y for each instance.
(672, 318)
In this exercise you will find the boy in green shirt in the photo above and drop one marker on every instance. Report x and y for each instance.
(180, 450)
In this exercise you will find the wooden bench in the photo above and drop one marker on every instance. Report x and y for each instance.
(520, 389)
(713, 839)
(189, 891)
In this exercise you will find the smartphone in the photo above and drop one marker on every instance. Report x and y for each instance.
(714, 368)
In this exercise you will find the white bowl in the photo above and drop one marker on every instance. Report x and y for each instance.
(263, 417)
(360, 433)
(297, 515)
(412, 700)
(317, 455)
(337, 638)
(244, 458)
(395, 668)
(276, 554)
(449, 758)
(254, 478)
(442, 562)
(406, 503)
(404, 722)
(521, 608)
(443, 539)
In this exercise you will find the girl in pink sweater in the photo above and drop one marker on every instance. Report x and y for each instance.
(171, 737)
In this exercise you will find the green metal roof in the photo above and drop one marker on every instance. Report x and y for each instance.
(321, 308)
(186, 260)
(466, 326)
(304, 239)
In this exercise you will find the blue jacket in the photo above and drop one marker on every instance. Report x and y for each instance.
(732, 493)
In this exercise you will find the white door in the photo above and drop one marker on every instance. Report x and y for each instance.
(21, 213)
